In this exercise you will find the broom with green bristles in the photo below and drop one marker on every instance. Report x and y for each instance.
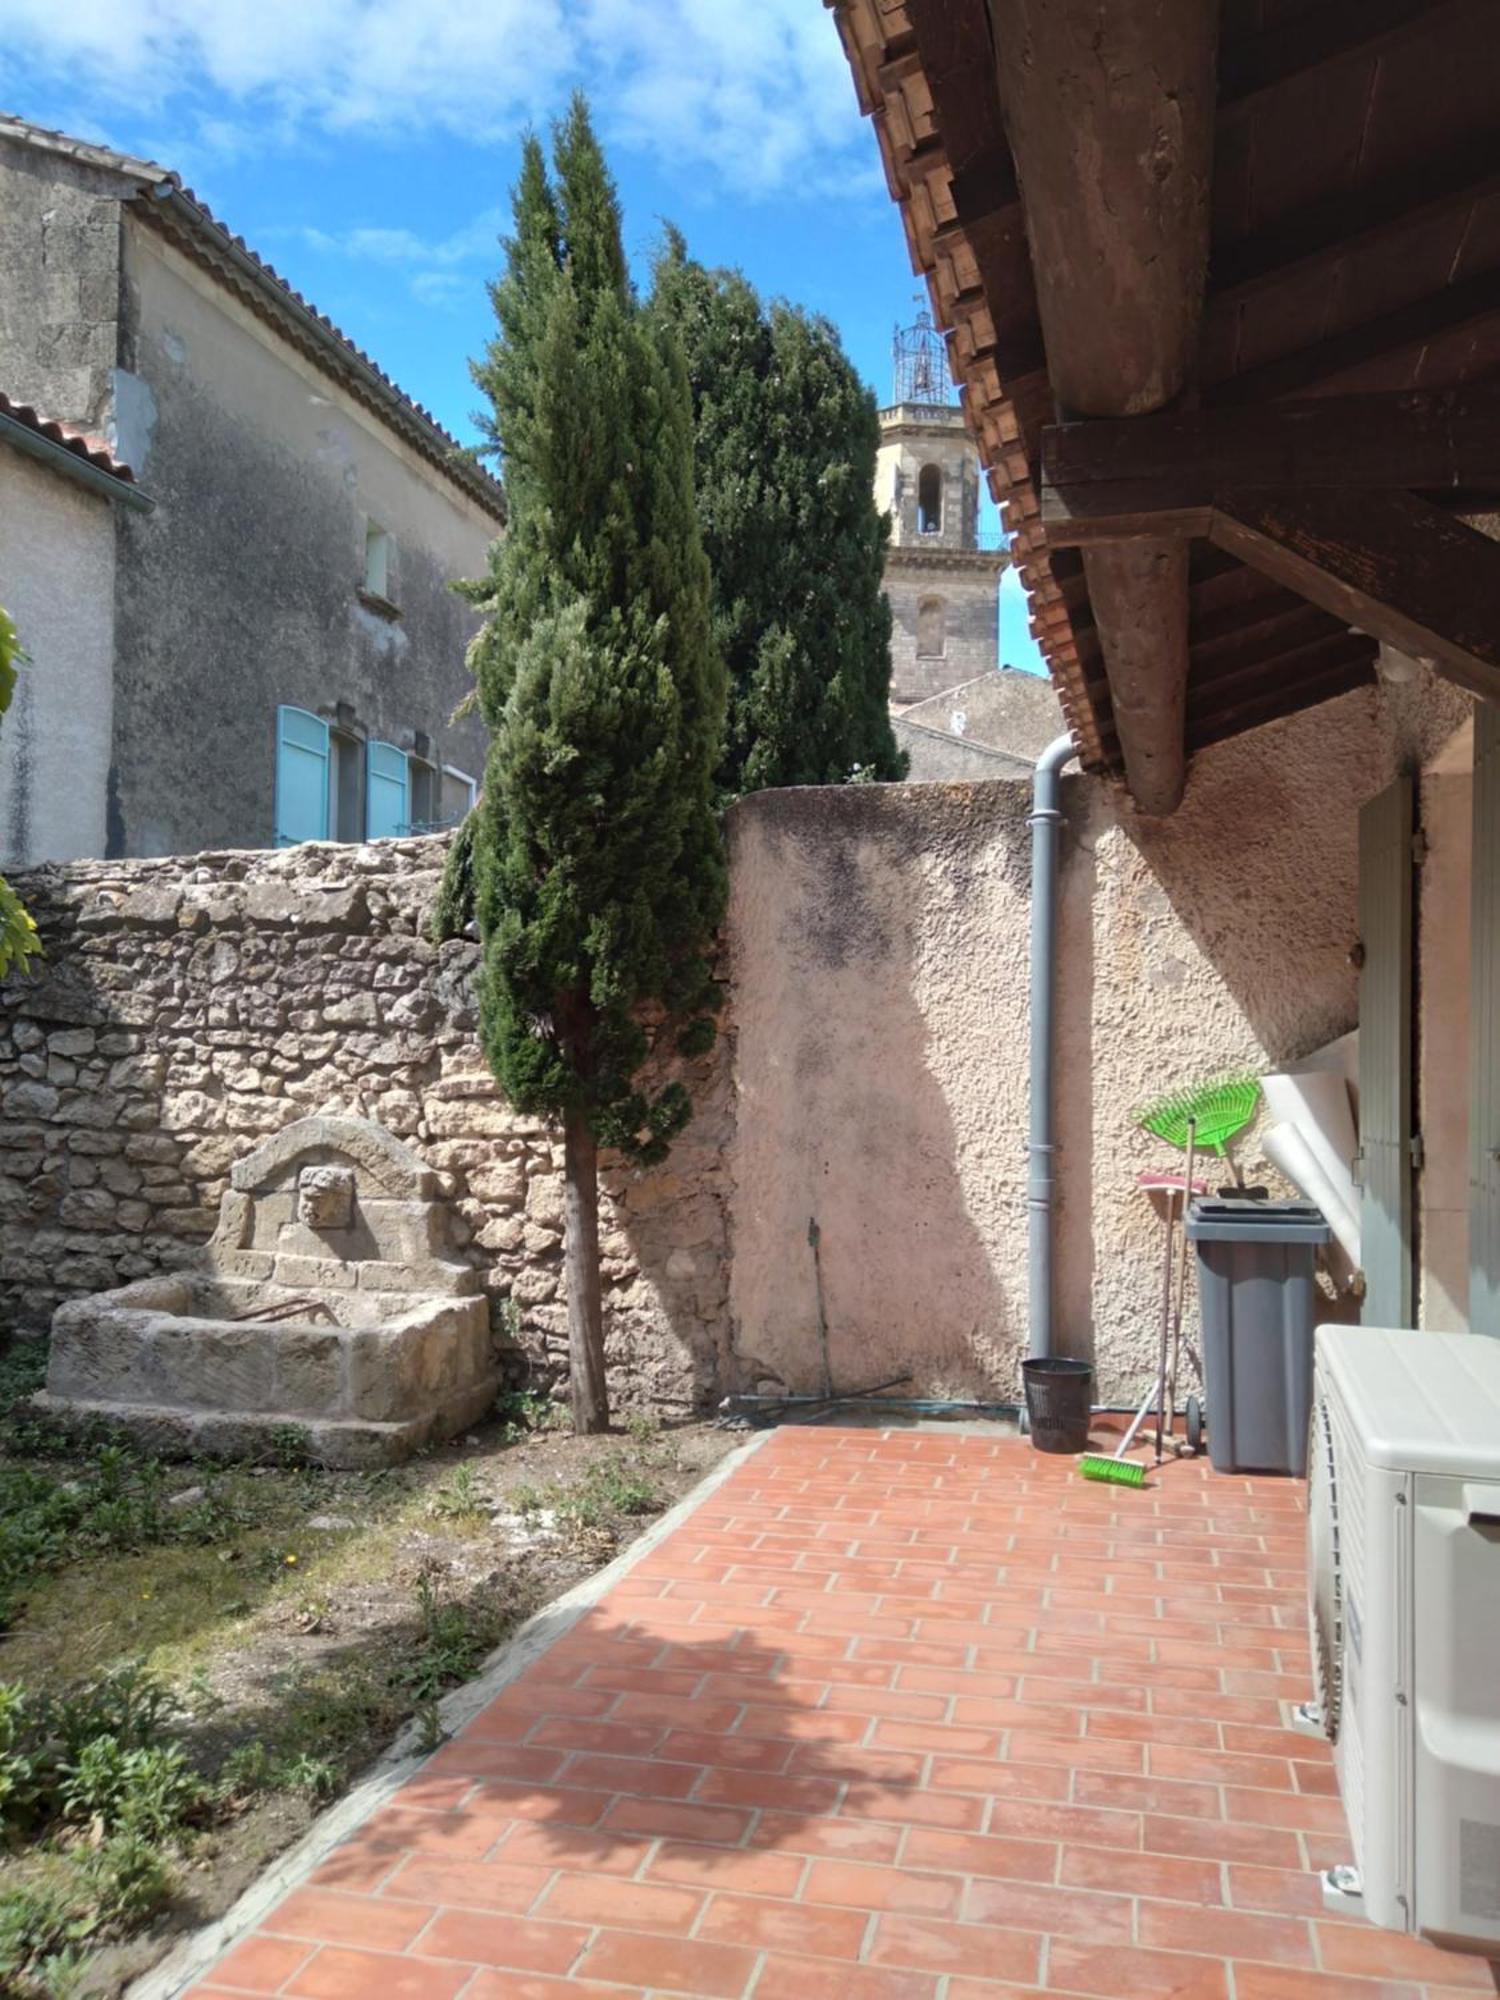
(1209, 1114)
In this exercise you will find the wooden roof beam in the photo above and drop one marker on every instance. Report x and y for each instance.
(1389, 564)
(1110, 112)
(1104, 481)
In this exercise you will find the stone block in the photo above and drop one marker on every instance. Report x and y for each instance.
(315, 1273)
(30, 1100)
(70, 1041)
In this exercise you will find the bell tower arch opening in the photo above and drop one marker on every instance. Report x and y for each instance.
(930, 500)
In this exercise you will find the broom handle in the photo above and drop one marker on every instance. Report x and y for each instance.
(1160, 1384)
(1182, 1264)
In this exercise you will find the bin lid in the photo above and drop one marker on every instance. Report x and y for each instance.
(1234, 1219)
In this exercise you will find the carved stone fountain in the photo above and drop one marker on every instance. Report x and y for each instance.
(325, 1301)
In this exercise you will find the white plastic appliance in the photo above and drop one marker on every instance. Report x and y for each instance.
(1404, 1596)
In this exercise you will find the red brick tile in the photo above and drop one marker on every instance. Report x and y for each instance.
(535, 1845)
(1358, 1948)
(940, 1736)
(1267, 1847)
(986, 1989)
(487, 1939)
(646, 1777)
(724, 1826)
(496, 1985)
(756, 1874)
(357, 1869)
(467, 1836)
(982, 1854)
(1026, 1781)
(852, 1838)
(780, 1794)
(485, 1757)
(767, 1925)
(1282, 1891)
(1273, 1982)
(499, 1801)
(1174, 1878)
(1287, 1809)
(1276, 1940)
(1153, 1795)
(928, 1945)
(1081, 1914)
(1124, 1974)
(670, 1965)
(537, 1694)
(1224, 1767)
(861, 1886)
(482, 1885)
(711, 1715)
(340, 1974)
(800, 1724)
(498, 1724)
(827, 1979)
(1041, 1819)
(953, 1812)
(330, 1917)
(260, 1964)
(612, 1739)
(606, 1899)
(735, 1753)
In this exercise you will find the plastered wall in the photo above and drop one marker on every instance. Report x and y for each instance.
(879, 975)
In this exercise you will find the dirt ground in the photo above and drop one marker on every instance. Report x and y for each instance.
(317, 1612)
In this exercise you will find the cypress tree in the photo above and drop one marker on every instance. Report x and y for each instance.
(786, 437)
(596, 852)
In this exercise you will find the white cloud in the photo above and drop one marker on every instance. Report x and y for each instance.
(757, 97)
(441, 273)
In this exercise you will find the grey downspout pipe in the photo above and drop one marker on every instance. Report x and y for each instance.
(1046, 817)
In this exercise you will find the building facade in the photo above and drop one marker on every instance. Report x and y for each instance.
(286, 648)
(941, 583)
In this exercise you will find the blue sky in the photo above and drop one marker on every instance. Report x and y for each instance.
(367, 147)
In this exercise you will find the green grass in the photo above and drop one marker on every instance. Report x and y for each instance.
(130, 1590)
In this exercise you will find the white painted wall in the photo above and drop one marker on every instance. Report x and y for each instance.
(57, 566)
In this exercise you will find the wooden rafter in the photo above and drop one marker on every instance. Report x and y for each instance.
(1390, 564)
(1444, 438)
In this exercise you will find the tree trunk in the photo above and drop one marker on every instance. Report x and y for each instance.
(590, 1392)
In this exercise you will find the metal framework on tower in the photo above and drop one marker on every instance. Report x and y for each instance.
(919, 355)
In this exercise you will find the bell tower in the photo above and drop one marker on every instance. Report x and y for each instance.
(942, 584)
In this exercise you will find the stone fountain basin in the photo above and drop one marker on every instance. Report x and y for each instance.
(368, 1375)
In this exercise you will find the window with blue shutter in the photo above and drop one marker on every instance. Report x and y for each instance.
(301, 810)
(387, 783)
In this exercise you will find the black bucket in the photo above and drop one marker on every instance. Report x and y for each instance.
(1059, 1396)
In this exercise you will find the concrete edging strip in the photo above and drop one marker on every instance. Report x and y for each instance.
(197, 1952)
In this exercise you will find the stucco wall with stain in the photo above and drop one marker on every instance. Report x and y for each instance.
(57, 576)
(879, 982)
(240, 591)
(60, 301)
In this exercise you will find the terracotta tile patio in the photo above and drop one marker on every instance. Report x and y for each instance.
(893, 1716)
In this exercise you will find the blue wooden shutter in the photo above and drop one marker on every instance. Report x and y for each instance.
(387, 779)
(1484, 1029)
(1385, 903)
(301, 811)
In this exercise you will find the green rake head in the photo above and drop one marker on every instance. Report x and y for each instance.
(1215, 1111)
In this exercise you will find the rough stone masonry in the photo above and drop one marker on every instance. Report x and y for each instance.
(188, 1008)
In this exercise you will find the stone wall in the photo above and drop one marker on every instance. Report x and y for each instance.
(875, 1078)
(188, 1008)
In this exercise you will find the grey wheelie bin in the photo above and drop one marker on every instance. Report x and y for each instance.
(1258, 1303)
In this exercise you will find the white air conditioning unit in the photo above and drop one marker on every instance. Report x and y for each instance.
(1404, 1595)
